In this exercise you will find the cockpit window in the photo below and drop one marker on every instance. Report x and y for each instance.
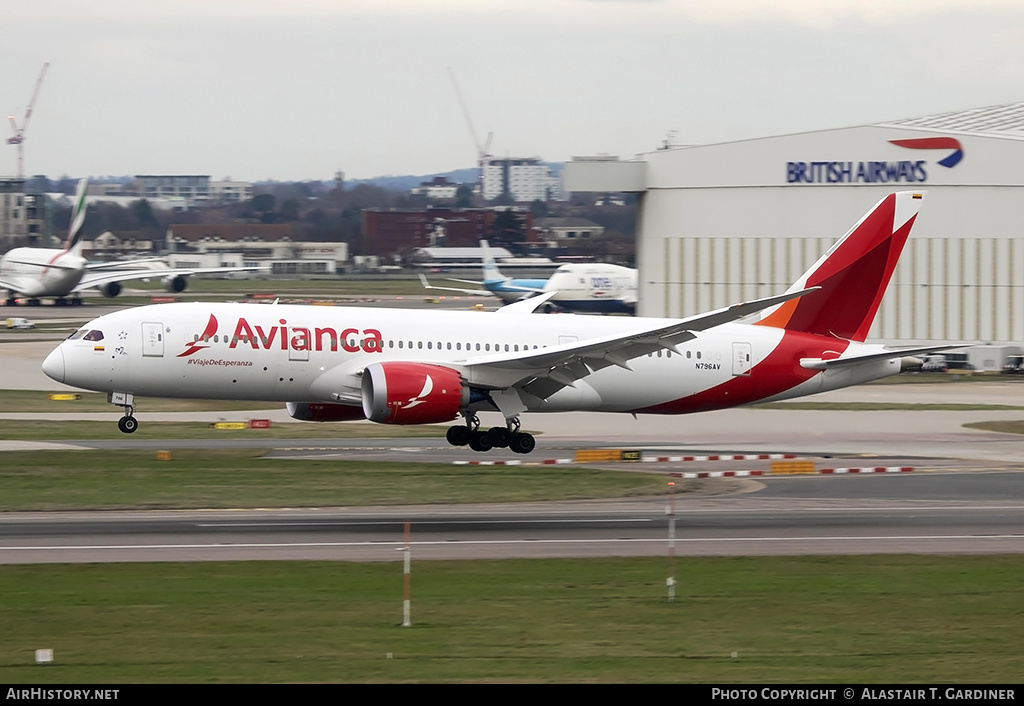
(77, 334)
(94, 335)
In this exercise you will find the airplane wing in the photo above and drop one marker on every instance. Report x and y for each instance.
(103, 276)
(114, 264)
(826, 363)
(43, 265)
(542, 372)
(427, 285)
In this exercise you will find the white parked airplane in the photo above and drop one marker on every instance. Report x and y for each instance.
(49, 272)
(396, 366)
(589, 287)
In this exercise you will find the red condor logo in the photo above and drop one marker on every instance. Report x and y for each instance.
(285, 337)
(201, 342)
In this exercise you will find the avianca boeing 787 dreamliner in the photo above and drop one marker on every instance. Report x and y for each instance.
(396, 366)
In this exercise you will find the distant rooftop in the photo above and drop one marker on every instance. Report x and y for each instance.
(997, 120)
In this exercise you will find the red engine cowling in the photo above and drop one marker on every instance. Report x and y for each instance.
(324, 412)
(412, 393)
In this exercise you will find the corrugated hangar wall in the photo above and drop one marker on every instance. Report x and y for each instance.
(723, 223)
(960, 278)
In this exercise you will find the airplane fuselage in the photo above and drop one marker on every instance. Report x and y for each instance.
(43, 272)
(594, 288)
(294, 353)
(510, 290)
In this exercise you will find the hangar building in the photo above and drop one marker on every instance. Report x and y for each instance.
(724, 223)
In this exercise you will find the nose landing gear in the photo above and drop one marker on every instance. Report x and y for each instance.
(127, 424)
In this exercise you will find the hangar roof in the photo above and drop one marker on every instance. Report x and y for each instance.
(995, 121)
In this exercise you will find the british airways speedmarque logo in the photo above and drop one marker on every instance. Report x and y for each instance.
(935, 143)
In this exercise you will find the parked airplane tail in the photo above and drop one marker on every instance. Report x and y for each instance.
(852, 275)
(490, 267)
(74, 239)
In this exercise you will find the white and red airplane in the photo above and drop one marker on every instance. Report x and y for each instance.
(396, 366)
(51, 272)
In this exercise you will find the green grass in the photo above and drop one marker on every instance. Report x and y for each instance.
(36, 401)
(75, 431)
(1006, 427)
(863, 619)
(92, 480)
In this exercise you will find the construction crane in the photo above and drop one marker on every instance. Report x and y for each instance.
(481, 150)
(19, 132)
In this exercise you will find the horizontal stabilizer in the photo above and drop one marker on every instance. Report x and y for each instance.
(830, 363)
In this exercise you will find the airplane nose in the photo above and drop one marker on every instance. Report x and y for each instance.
(53, 366)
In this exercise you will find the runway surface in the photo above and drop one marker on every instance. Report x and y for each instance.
(853, 515)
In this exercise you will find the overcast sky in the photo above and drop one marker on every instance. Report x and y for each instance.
(290, 90)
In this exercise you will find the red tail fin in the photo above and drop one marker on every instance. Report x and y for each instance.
(852, 275)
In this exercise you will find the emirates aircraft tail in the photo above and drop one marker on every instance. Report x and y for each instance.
(852, 276)
(74, 239)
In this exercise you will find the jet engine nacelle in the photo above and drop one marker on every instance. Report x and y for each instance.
(110, 289)
(324, 412)
(175, 284)
(412, 393)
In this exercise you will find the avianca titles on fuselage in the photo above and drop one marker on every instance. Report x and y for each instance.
(406, 367)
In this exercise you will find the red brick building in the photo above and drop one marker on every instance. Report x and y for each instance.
(392, 231)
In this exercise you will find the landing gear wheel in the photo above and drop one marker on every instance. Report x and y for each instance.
(128, 424)
(522, 443)
(480, 441)
(499, 437)
(458, 435)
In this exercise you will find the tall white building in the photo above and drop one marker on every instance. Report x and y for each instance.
(194, 188)
(524, 178)
(13, 220)
(724, 223)
(230, 191)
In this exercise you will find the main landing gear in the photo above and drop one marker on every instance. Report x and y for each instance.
(478, 439)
